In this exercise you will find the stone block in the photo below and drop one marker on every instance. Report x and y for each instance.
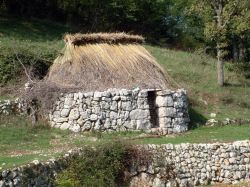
(65, 112)
(60, 120)
(164, 92)
(68, 101)
(166, 112)
(75, 128)
(65, 126)
(165, 122)
(87, 126)
(139, 114)
(113, 115)
(93, 117)
(164, 101)
(126, 106)
(143, 93)
(74, 114)
(143, 125)
(114, 106)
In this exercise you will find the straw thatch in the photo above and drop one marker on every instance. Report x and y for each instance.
(101, 61)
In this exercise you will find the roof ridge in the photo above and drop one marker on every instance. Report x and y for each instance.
(110, 38)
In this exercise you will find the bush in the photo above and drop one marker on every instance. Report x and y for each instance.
(102, 166)
(95, 167)
(242, 68)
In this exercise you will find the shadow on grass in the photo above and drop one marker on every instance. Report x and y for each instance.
(196, 119)
(236, 85)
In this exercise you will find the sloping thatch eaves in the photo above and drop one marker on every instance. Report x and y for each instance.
(102, 61)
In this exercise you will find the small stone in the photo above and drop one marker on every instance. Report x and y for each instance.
(68, 101)
(87, 126)
(5, 173)
(113, 115)
(65, 126)
(93, 117)
(74, 114)
(232, 160)
(60, 120)
(36, 162)
(75, 128)
(158, 183)
(213, 115)
(247, 160)
(65, 112)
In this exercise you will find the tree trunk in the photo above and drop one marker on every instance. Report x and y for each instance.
(242, 52)
(220, 68)
(220, 63)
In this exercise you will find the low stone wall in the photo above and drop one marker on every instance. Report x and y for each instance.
(193, 164)
(11, 107)
(118, 110)
(36, 174)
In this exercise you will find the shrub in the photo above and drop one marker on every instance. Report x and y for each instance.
(104, 165)
(242, 68)
(95, 167)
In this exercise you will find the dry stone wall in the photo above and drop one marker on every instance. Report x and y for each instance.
(192, 164)
(164, 111)
(36, 174)
(11, 107)
(195, 164)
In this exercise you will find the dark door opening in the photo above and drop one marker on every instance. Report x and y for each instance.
(152, 109)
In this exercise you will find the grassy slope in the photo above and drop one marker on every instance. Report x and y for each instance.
(20, 144)
(197, 74)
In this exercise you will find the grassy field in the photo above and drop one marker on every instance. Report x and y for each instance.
(21, 143)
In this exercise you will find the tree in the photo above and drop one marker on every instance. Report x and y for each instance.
(240, 31)
(218, 17)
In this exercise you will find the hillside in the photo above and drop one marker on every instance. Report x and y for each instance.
(38, 42)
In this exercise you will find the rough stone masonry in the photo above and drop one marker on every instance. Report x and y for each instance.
(195, 164)
(192, 164)
(162, 111)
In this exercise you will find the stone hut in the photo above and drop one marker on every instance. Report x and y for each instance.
(114, 84)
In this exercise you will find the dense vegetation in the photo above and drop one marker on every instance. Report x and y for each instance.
(218, 27)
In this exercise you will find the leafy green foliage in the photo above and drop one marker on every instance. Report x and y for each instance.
(100, 166)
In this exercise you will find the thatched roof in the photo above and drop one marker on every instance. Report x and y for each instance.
(106, 60)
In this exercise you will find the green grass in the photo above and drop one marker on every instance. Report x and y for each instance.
(197, 74)
(205, 135)
(22, 143)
